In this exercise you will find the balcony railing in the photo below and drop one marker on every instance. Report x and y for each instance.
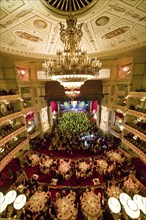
(136, 113)
(10, 117)
(12, 135)
(36, 133)
(10, 156)
(140, 154)
(9, 97)
(116, 134)
(135, 132)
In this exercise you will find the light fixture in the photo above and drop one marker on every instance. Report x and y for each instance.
(21, 72)
(72, 64)
(126, 69)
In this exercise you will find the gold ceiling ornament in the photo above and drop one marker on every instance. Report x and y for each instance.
(62, 7)
(72, 63)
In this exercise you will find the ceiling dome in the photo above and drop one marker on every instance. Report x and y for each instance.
(63, 7)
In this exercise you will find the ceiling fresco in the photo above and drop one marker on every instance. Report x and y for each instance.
(31, 28)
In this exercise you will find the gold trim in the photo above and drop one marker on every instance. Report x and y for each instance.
(63, 13)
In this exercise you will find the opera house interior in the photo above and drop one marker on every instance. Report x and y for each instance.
(73, 109)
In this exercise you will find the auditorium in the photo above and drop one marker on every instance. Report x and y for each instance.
(73, 110)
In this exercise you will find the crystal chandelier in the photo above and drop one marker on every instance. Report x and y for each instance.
(72, 66)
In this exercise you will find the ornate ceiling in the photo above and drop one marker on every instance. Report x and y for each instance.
(30, 28)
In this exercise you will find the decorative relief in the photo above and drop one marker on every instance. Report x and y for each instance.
(54, 34)
(130, 2)
(119, 8)
(27, 36)
(17, 17)
(10, 5)
(116, 32)
(143, 19)
(90, 35)
(142, 6)
(12, 43)
(65, 4)
(23, 13)
(102, 21)
(40, 24)
(2, 14)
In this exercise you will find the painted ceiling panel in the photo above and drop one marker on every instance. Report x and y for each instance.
(39, 24)
(31, 28)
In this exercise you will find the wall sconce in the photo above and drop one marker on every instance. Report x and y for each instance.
(126, 69)
(21, 72)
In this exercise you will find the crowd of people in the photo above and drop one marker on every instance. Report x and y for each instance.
(103, 159)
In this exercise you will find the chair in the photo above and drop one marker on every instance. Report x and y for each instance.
(96, 181)
(67, 176)
(54, 181)
(57, 195)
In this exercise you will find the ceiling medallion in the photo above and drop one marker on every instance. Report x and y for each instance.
(102, 21)
(63, 6)
(40, 24)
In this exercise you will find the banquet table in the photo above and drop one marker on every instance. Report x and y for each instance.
(90, 205)
(131, 186)
(114, 156)
(47, 162)
(83, 166)
(64, 167)
(65, 207)
(114, 191)
(37, 201)
(102, 164)
(34, 159)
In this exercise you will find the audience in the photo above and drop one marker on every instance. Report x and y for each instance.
(97, 146)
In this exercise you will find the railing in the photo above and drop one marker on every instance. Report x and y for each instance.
(10, 156)
(31, 136)
(140, 154)
(136, 113)
(135, 132)
(116, 134)
(9, 97)
(11, 135)
(10, 117)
